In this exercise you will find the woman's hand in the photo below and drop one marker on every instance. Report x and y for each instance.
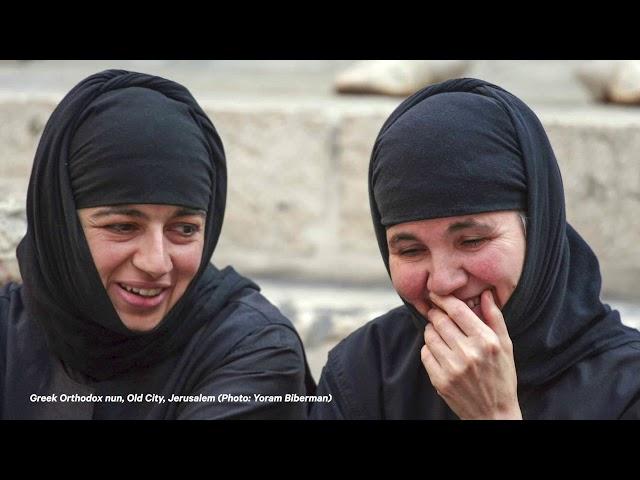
(471, 363)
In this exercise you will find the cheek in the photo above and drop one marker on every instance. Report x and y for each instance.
(497, 269)
(486, 267)
(107, 256)
(187, 261)
(409, 280)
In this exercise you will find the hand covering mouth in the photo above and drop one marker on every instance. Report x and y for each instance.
(470, 302)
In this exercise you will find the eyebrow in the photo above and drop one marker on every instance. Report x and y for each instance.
(453, 228)
(132, 212)
(471, 223)
(402, 237)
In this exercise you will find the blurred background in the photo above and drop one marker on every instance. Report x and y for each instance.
(298, 136)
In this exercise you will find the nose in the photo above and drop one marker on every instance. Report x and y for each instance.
(152, 255)
(445, 275)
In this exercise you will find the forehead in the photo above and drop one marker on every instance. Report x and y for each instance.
(144, 211)
(451, 225)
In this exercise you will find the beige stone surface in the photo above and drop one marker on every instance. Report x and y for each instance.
(278, 188)
(601, 175)
(21, 124)
(355, 143)
(13, 225)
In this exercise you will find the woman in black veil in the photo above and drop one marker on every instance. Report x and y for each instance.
(121, 314)
(502, 315)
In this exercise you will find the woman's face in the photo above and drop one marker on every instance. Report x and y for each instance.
(460, 256)
(146, 256)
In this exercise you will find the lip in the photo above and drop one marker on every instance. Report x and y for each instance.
(145, 285)
(138, 302)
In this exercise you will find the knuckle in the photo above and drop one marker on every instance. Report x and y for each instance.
(444, 389)
(472, 357)
(491, 346)
(458, 371)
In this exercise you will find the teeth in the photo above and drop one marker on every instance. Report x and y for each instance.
(473, 302)
(144, 292)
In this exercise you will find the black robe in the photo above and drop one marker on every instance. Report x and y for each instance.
(249, 348)
(376, 374)
(120, 138)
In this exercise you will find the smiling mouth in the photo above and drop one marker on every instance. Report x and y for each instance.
(141, 299)
(142, 292)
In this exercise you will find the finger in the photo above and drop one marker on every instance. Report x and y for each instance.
(438, 348)
(431, 365)
(460, 313)
(446, 328)
(492, 314)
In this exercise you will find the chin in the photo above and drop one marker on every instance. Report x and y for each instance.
(138, 324)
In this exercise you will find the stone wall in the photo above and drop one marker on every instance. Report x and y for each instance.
(298, 205)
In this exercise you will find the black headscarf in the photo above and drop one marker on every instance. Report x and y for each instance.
(119, 137)
(466, 146)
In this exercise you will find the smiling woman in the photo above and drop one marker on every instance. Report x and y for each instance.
(119, 299)
(466, 255)
(502, 317)
(146, 256)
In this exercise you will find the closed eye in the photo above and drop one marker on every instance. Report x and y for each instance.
(411, 252)
(121, 227)
(473, 242)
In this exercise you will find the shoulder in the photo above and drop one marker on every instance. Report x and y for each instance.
(9, 290)
(252, 304)
(368, 361)
(386, 336)
(253, 348)
(250, 322)
(253, 313)
(379, 346)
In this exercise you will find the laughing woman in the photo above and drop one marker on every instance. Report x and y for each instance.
(120, 314)
(502, 317)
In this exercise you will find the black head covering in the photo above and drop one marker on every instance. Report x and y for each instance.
(116, 138)
(466, 146)
(137, 145)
